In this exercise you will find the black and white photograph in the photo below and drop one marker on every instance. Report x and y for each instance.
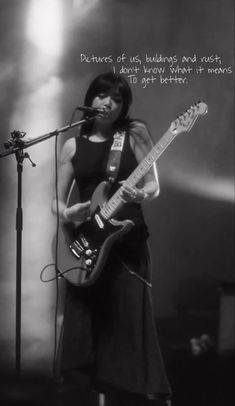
(117, 284)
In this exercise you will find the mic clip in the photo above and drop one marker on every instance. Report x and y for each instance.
(15, 140)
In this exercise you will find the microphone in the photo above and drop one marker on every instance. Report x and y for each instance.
(93, 111)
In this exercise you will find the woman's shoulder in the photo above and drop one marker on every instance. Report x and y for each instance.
(137, 122)
(68, 150)
(139, 130)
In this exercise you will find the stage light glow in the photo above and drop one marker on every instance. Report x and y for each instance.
(44, 26)
(82, 8)
(37, 111)
(212, 187)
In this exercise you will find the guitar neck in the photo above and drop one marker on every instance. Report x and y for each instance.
(115, 203)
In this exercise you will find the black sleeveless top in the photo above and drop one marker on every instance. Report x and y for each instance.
(90, 162)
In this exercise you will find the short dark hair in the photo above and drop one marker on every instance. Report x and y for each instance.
(110, 81)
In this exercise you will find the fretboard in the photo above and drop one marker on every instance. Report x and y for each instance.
(115, 203)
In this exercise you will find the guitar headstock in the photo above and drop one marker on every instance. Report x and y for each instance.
(187, 119)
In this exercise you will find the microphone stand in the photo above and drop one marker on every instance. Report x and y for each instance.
(16, 146)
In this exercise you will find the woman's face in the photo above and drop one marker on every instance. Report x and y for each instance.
(110, 100)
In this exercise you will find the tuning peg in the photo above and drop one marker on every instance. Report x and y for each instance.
(191, 109)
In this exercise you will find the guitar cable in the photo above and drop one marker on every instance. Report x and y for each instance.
(57, 343)
(58, 273)
(56, 260)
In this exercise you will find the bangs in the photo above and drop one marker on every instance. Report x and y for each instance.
(106, 85)
(110, 83)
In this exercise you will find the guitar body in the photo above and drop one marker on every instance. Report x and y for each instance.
(83, 249)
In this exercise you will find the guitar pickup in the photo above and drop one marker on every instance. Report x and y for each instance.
(99, 221)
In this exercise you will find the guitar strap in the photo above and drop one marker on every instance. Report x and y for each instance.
(115, 156)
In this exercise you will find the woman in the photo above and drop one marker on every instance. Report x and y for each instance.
(109, 332)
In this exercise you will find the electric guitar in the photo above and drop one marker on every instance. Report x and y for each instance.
(83, 249)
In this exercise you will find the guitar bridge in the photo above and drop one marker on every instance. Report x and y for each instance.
(76, 248)
(74, 252)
